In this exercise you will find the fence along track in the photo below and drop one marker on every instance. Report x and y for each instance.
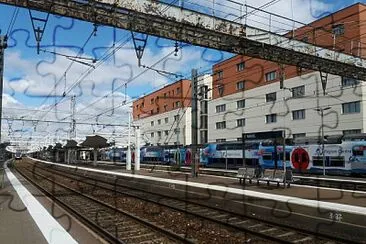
(111, 223)
(261, 228)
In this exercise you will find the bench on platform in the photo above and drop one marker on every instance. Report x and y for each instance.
(247, 174)
(277, 176)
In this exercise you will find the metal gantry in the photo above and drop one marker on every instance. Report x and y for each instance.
(189, 26)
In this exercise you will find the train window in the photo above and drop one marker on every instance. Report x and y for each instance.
(318, 161)
(333, 161)
(336, 161)
(267, 157)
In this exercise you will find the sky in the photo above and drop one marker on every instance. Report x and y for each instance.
(40, 86)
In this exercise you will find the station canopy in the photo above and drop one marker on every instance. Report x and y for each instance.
(95, 142)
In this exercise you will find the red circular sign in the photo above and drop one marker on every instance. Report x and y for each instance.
(188, 159)
(300, 158)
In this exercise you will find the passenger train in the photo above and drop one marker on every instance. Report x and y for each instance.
(342, 155)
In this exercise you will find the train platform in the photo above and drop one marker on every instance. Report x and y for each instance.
(342, 196)
(315, 208)
(28, 216)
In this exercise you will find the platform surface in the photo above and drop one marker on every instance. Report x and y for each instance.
(27, 216)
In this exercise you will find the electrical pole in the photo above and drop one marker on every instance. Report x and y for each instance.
(128, 156)
(137, 149)
(72, 134)
(73, 122)
(321, 110)
(3, 46)
(194, 123)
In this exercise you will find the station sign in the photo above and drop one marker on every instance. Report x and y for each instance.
(264, 135)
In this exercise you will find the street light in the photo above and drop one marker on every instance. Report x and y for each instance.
(321, 110)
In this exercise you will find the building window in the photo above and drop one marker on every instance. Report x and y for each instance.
(159, 121)
(271, 118)
(240, 66)
(173, 92)
(159, 134)
(220, 108)
(204, 91)
(240, 104)
(204, 107)
(177, 104)
(338, 29)
(178, 90)
(152, 134)
(166, 120)
(165, 107)
(349, 82)
(203, 136)
(220, 140)
(203, 122)
(176, 117)
(270, 76)
(173, 105)
(157, 109)
(176, 131)
(166, 132)
(164, 95)
(349, 108)
(152, 123)
(240, 85)
(220, 74)
(152, 111)
(298, 114)
(221, 90)
(142, 105)
(221, 125)
(298, 91)
(240, 122)
(152, 101)
(298, 135)
(271, 97)
(351, 132)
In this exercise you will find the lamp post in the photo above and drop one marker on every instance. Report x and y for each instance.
(321, 110)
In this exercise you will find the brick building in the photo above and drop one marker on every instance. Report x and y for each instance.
(247, 95)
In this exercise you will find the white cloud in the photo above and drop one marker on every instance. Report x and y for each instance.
(37, 76)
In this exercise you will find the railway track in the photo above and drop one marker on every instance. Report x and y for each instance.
(246, 224)
(345, 184)
(113, 224)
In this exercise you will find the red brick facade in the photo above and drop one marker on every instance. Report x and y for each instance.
(168, 98)
(348, 23)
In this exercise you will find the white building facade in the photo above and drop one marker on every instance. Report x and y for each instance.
(293, 109)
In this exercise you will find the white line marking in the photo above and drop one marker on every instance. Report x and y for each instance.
(52, 231)
(330, 179)
(254, 194)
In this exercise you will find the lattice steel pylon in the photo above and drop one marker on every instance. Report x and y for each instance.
(72, 133)
(139, 42)
(3, 46)
(39, 25)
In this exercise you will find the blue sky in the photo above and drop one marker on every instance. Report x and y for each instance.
(64, 32)
(29, 77)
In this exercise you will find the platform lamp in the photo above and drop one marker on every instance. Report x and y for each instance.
(321, 110)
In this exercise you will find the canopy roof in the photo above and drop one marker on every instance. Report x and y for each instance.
(95, 142)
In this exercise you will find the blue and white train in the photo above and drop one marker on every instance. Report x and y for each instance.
(344, 156)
